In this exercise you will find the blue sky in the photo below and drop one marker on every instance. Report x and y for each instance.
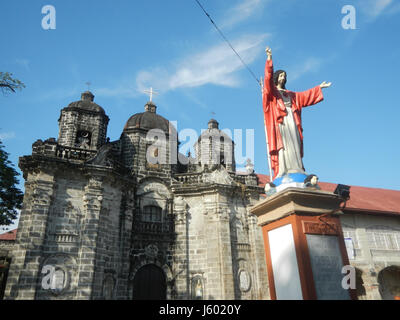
(124, 47)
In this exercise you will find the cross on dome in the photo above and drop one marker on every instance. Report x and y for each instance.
(151, 92)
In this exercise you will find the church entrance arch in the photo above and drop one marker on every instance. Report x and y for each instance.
(149, 283)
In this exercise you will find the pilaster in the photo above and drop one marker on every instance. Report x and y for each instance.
(93, 197)
(24, 274)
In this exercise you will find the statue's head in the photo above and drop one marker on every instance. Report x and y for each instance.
(280, 78)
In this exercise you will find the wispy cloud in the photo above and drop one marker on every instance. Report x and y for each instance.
(7, 135)
(374, 8)
(217, 65)
(241, 12)
(312, 64)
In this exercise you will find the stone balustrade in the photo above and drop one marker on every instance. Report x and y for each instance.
(74, 153)
(51, 148)
(151, 227)
(199, 178)
(190, 178)
(64, 237)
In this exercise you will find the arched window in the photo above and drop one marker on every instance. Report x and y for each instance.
(152, 214)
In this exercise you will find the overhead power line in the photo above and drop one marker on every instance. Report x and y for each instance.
(227, 41)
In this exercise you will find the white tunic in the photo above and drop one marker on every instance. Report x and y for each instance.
(289, 156)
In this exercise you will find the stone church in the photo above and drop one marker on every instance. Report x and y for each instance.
(108, 220)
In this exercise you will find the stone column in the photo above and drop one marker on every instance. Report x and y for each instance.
(219, 252)
(24, 277)
(225, 254)
(126, 219)
(260, 281)
(181, 254)
(92, 206)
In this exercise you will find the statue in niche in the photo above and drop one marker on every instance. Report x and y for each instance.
(197, 288)
(108, 287)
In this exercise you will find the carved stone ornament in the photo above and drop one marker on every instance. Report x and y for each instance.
(95, 182)
(220, 176)
(180, 204)
(151, 251)
(244, 280)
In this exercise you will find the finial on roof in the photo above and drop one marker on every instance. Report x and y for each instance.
(213, 124)
(87, 95)
(150, 107)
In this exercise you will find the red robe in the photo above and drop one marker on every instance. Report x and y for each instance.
(274, 111)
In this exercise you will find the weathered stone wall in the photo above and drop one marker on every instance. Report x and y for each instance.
(135, 148)
(220, 244)
(376, 241)
(72, 222)
(72, 121)
(111, 245)
(23, 279)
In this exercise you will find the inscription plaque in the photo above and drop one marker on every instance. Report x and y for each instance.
(326, 264)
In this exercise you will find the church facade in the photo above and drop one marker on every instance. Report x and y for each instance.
(109, 220)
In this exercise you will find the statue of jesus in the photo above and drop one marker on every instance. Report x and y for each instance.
(282, 113)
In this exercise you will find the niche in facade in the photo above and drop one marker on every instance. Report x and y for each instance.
(83, 139)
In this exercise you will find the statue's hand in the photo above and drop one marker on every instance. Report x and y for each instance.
(325, 84)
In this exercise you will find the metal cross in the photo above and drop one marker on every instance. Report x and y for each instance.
(88, 85)
(151, 92)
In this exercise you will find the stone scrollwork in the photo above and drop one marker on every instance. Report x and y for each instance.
(95, 182)
(244, 280)
(180, 209)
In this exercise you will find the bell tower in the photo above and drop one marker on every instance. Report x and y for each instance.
(215, 147)
(83, 124)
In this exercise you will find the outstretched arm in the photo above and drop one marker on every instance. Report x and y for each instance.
(269, 70)
(309, 97)
(312, 96)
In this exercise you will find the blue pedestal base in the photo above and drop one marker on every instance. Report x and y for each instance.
(290, 178)
(294, 180)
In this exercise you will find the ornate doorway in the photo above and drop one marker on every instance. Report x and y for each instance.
(149, 283)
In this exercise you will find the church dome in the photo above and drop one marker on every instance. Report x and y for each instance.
(86, 103)
(148, 120)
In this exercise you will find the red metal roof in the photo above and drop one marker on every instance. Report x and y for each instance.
(10, 235)
(372, 200)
